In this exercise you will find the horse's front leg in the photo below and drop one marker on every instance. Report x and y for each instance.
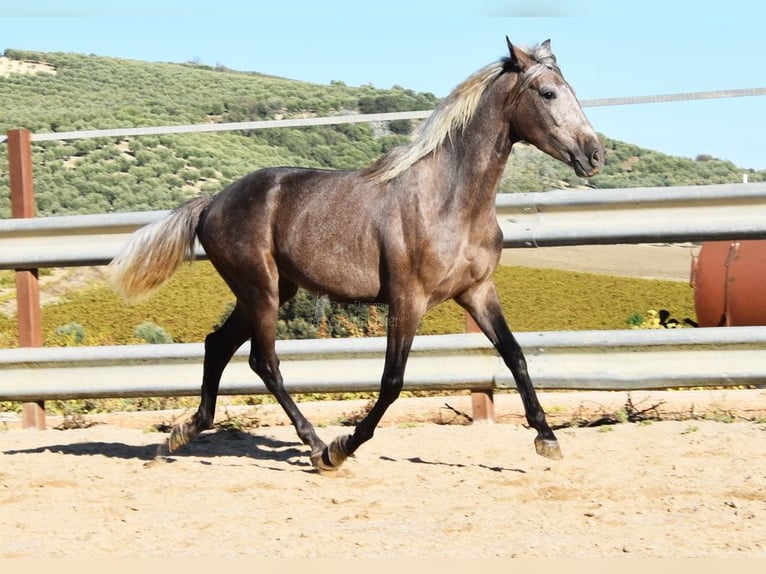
(401, 332)
(483, 304)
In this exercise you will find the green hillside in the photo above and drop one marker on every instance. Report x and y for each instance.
(111, 174)
(77, 92)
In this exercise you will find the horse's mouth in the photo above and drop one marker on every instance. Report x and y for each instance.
(580, 169)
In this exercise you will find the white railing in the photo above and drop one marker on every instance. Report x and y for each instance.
(561, 217)
(365, 118)
(605, 360)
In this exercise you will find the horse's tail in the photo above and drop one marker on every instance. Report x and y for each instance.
(154, 252)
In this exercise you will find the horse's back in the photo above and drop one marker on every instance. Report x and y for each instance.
(318, 227)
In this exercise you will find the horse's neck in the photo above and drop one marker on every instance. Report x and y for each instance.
(472, 164)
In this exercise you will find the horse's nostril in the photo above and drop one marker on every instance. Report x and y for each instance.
(595, 158)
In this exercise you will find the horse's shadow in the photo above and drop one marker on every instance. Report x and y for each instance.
(219, 443)
(418, 460)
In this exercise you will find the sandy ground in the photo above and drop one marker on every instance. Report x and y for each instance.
(9, 67)
(673, 488)
(689, 482)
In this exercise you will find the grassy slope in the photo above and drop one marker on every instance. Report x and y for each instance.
(553, 300)
(533, 299)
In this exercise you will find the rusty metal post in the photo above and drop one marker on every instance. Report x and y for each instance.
(482, 401)
(27, 286)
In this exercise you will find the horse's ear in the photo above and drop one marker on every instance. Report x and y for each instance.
(517, 60)
(546, 51)
(512, 63)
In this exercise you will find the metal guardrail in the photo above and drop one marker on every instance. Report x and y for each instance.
(68, 240)
(559, 217)
(633, 215)
(576, 360)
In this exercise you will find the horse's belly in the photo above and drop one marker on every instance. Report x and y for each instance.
(342, 282)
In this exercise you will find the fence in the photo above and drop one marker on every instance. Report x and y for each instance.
(638, 360)
(575, 360)
(561, 217)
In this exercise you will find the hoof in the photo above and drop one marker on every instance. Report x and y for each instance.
(331, 457)
(549, 448)
(180, 435)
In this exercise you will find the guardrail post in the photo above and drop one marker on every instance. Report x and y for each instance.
(27, 285)
(482, 401)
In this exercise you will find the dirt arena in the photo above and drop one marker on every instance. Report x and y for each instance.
(688, 482)
(667, 488)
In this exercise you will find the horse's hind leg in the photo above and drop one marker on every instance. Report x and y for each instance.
(220, 346)
(483, 304)
(265, 363)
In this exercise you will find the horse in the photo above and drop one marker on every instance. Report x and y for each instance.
(415, 228)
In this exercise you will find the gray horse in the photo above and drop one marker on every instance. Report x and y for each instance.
(414, 229)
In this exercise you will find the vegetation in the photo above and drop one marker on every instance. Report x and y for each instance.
(196, 300)
(152, 334)
(627, 165)
(554, 300)
(156, 172)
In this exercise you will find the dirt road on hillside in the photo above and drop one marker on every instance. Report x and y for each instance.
(651, 261)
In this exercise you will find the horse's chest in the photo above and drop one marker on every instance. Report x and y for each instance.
(467, 267)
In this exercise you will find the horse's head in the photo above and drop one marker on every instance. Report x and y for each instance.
(545, 112)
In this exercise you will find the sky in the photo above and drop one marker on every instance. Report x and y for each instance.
(605, 48)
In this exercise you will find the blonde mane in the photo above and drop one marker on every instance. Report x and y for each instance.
(450, 116)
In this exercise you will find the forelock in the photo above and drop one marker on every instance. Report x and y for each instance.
(542, 54)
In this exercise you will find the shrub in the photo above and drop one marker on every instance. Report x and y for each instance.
(658, 320)
(152, 333)
(70, 334)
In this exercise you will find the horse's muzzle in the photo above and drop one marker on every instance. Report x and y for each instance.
(590, 162)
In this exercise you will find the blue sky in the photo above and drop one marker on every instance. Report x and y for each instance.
(606, 48)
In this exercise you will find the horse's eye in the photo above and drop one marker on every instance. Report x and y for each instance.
(549, 95)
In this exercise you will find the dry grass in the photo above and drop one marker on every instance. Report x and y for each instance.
(195, 299)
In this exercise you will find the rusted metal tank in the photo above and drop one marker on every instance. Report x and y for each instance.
(729, 281)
